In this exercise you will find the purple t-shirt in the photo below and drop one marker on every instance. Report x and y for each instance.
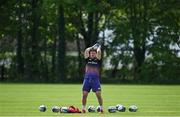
(92, 67)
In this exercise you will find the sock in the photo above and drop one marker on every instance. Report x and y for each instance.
(84, 107)
(101, 107)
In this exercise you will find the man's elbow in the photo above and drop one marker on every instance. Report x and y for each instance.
(99, 56)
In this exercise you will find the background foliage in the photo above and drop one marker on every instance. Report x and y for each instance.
(44, 40)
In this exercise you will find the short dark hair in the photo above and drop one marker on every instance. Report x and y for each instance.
(92, 50)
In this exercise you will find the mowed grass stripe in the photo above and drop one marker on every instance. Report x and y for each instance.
(152, 100)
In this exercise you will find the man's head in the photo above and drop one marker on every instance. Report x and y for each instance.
(92, 53)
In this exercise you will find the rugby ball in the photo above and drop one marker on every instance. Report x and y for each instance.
(42, 108)
(64, 109)
(112, 109)
(133, 108)
(55, 109)
(91, 109)
(120, 108)
(98, 109)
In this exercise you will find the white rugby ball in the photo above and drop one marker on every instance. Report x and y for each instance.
(120, 108)
(55, 109)
(91, 109)
(112, 109)
(133, 108)
(42, 108)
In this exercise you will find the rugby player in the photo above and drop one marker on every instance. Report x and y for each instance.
(91, 81)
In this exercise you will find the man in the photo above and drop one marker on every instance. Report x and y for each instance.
(92, 56)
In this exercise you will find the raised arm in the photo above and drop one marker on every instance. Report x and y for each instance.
(86, 53)
(99, 53)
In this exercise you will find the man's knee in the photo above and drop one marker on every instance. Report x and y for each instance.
(98, 94)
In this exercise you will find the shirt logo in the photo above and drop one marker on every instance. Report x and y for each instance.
(92, 62)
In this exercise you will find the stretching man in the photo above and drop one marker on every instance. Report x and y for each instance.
(92, 57)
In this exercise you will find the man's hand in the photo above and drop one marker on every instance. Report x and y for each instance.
(96, 46)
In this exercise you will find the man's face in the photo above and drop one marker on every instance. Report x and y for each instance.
(92, 54)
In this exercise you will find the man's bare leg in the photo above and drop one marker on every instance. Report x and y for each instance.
(100, 100)
(84, 99)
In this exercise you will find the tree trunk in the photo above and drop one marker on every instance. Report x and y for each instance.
(34, 73)
(53, 60)
(115, 69)
(80, 62)
(90, 29)
(61, 68)
(44, 61)
(95, 28)
(19, 56)
(139, 40)
(2, 75)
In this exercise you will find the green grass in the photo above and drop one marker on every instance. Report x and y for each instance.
(152, 100)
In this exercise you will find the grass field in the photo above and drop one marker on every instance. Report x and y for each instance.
(152, 100)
